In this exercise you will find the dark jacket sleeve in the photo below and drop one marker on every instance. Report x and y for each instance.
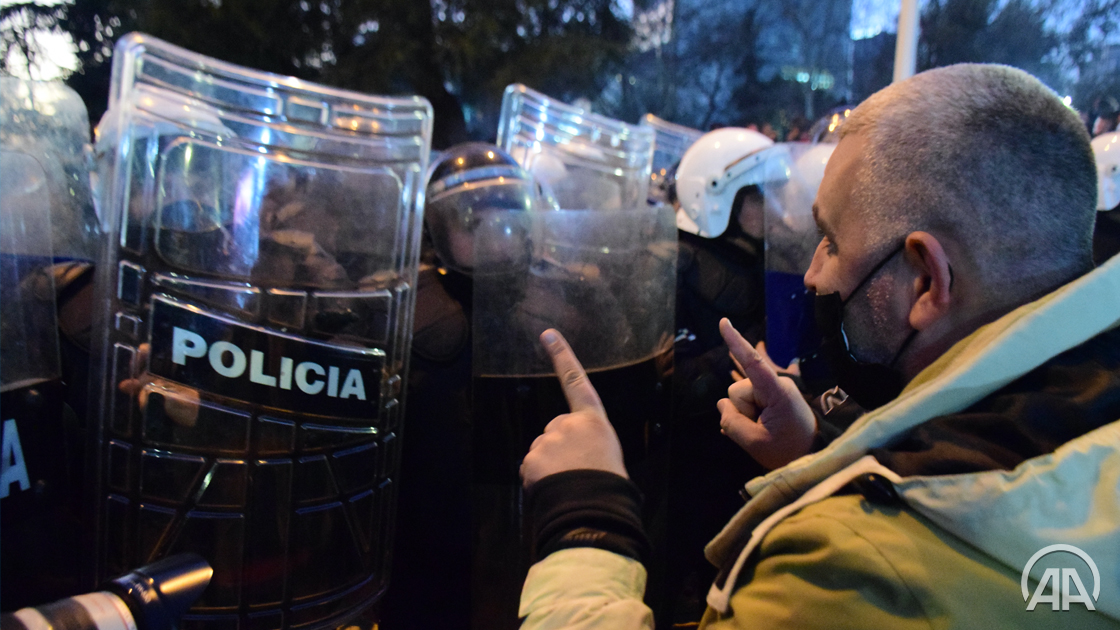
(588, 508)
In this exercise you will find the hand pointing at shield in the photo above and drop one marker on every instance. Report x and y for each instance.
(764, 413)
(581, 440)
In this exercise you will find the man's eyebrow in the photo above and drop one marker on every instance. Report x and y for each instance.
(821, 225)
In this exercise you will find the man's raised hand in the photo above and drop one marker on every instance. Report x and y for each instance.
(794, 367)
(582, 439)
(764, 414)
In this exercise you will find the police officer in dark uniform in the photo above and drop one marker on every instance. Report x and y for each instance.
(431, 584)
(720, 273)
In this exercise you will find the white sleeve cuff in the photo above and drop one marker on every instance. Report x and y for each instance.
(583, 588)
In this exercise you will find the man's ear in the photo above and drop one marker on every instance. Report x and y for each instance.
(931, 281)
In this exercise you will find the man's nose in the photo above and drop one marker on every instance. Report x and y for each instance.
(814, 271)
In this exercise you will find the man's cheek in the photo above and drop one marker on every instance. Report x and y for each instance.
(832, 278)
(879, 294)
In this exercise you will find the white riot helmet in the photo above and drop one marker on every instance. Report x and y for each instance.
(812, 162)
(791, 198)
(712, 172)
(1106, 150)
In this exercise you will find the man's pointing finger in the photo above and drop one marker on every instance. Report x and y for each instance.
(577, 388)
(761, 375)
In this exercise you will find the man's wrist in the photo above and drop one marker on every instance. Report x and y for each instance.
(588, 508)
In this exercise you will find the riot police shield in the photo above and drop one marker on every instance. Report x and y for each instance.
(605, 280)
(670, 142)
(49, 122)
(586, 160)
(45, 217)
(258, 296)
(791, 239)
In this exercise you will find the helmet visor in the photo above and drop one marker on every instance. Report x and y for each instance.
(454, 214)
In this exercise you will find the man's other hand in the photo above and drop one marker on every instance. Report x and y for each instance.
(583, 439)
(764, 413)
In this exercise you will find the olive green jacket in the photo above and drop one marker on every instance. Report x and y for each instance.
(953, 554)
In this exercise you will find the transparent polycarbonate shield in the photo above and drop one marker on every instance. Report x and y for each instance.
(48, 121)
(588, 161)
(259, 297)
(28, 320)
(791, 238)
(670, 142)
(604, 280)
(40, 476)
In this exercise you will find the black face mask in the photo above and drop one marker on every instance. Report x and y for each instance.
(871, 385)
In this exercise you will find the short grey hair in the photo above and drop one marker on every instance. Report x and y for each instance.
(986, 156)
